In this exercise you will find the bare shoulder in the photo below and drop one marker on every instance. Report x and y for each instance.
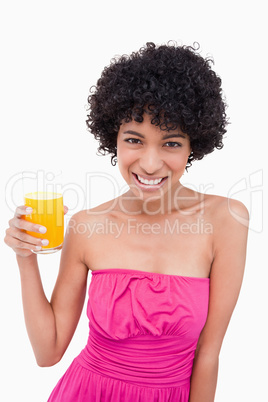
(214, 207)
(226, 210)
(230, 221)
(94, 214)
(82, 225)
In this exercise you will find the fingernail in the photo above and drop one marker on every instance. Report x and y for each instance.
(45, 242)
(42, 229)
(29, 210)
(38, 248)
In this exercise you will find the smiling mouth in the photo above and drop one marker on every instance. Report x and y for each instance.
(149, 184)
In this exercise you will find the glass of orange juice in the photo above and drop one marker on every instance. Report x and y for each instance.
(46, 200)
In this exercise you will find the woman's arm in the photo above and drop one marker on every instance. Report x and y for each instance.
(230, 242)
(50, 325)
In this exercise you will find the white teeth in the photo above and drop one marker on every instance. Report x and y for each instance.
(145, 181)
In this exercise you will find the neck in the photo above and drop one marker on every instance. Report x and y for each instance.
(152, 205)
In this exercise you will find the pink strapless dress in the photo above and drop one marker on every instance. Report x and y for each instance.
(144, 329)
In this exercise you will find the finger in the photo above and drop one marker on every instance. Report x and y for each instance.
(23, 210)
(18, 245)
(20, 240)
(25, 237)
(22, 224)
(21, 252)
(66, 209)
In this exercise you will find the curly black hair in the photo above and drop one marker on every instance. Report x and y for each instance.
(175, 84)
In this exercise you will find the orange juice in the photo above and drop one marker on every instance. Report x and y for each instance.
(47, 211)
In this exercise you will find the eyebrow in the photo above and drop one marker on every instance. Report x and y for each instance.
(165, 137)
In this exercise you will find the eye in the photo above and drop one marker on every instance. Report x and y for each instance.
(173, 144)
(132, 140)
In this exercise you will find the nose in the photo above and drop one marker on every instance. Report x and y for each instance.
(151, 161)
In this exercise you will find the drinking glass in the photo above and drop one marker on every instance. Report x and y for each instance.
(43, 193)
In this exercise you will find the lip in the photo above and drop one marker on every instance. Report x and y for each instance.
(149, 187)
(148, 177)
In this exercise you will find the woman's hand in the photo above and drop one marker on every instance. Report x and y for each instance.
(20, 241)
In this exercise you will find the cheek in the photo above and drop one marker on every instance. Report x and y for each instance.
(124, 157)
(177, 163)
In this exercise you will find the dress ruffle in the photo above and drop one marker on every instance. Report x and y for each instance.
(80, 385)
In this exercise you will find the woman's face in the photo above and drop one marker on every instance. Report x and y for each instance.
(144, 151)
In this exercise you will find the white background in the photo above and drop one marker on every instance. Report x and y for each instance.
(51, 53)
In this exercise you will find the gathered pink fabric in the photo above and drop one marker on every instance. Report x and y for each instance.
(144, 329)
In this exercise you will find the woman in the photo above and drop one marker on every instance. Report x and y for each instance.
(167, 262)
